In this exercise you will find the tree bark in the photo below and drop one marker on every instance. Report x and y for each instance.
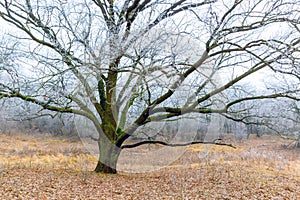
(108, 157)
(102, 168)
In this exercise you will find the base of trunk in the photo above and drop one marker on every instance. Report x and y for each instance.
(102, 168)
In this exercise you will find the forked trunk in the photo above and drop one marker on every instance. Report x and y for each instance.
(108, 157)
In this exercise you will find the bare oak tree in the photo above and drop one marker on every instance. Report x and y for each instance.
(124, 64)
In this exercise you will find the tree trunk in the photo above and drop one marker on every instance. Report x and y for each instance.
(102, 168)
(298, 142)
(108, 157)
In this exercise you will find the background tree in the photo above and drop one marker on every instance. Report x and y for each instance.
(125, 64)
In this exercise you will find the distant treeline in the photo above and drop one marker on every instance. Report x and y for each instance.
(26, 118)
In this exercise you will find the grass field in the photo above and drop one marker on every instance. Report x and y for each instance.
(44, 167)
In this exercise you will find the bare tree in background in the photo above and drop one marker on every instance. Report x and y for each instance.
(123, 64)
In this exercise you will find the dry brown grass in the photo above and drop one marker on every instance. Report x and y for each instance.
(56, 168)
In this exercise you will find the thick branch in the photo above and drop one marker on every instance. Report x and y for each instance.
(172, 89)
(128, 146)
